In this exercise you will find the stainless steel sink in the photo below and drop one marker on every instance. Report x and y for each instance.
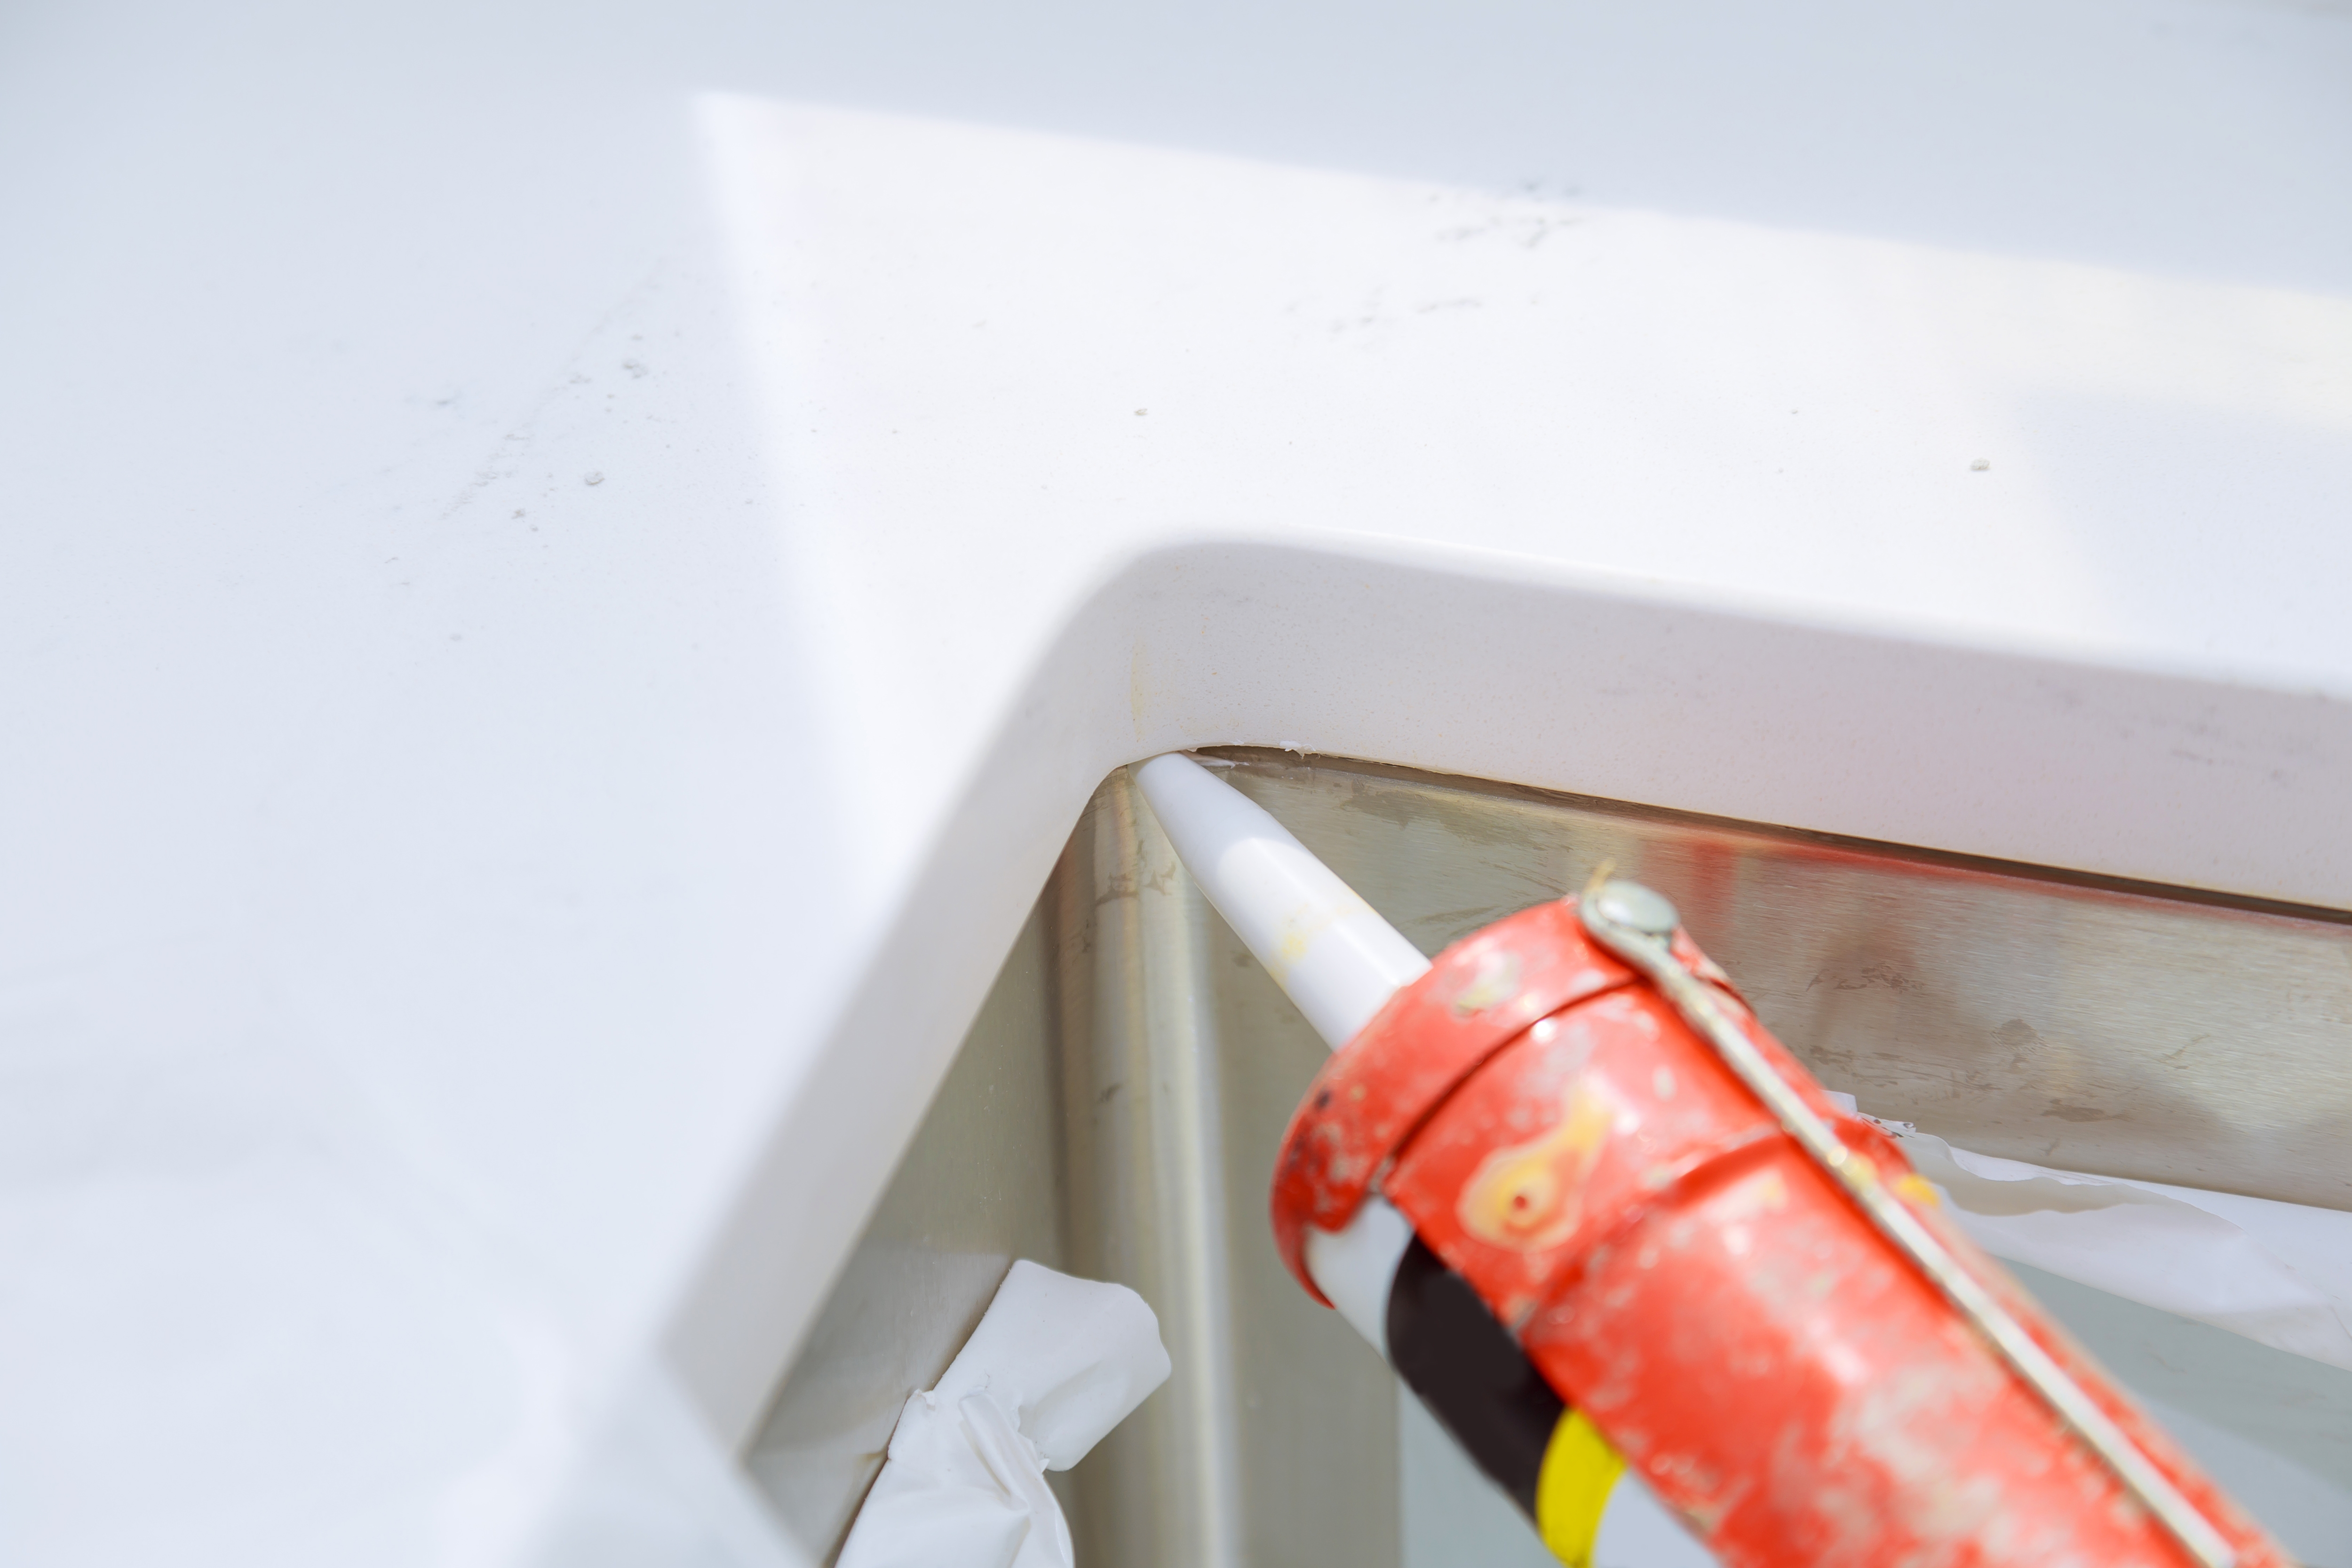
(1115, 1110)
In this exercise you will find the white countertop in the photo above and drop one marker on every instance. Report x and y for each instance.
(564, 601)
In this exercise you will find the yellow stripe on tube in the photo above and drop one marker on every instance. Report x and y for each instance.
(1580, 1470)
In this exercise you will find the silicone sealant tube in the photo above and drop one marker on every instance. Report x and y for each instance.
(1340, 962)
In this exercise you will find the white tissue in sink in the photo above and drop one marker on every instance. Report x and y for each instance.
(1055, 1364)
(2275, 1272)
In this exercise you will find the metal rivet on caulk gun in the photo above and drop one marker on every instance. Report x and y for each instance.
(1645, 909)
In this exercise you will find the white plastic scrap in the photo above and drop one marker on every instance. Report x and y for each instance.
(2212, 1256)
(1055, 1364)
(2277, 1273)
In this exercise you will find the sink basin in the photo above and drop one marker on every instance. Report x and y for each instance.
(1116, 1107)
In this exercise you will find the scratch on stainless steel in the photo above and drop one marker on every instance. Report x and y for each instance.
(1142, 1114)
(2095, 1029)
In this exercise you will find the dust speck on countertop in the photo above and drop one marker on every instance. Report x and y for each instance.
(1980, 464)
(592, 478)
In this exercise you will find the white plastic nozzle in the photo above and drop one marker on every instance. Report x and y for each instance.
(1323, 945)
(1328, 950)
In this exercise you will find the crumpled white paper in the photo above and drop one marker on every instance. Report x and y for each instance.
(1055, 1364)
(2278, 1273)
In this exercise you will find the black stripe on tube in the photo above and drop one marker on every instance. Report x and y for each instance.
(1471, 1373)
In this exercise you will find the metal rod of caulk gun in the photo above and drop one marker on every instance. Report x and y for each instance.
(1341, 963)
(1332, 954)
